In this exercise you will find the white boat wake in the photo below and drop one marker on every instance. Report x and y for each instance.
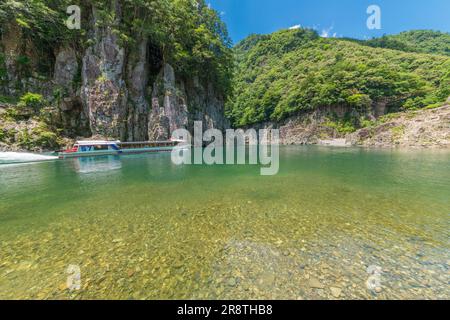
(19, 157)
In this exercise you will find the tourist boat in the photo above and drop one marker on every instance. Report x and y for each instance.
(101, 148)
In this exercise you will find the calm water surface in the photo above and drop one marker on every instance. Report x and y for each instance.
(140, 227)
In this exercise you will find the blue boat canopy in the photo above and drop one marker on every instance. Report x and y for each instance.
(92, 145)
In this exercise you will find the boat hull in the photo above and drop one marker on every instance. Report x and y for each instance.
(113, 152)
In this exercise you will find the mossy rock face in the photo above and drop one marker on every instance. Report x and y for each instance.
(26, 123)
(7, 100)
(398, 132)
(18, 114)
(30, 135)
(342, 127)
(45, 139)
(36, 142)
(7, 135)
(28, 106)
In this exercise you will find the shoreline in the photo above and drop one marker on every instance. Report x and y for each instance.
(331, 143)
(416, 129)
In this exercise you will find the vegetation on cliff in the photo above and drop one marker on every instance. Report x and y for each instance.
(187, 34)
(28, 124)
(41, 23)
(290, 71)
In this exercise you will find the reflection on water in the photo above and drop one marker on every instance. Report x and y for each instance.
(141, 227)
(97, 164)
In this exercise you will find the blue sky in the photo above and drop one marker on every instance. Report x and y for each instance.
(331, 17)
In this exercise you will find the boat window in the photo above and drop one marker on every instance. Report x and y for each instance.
(85, 148)
(93, 148)
(113, 147)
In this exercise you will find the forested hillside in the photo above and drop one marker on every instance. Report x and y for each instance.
(424, 41)
(292, 71)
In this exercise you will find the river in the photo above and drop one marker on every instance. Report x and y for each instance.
(333, 223)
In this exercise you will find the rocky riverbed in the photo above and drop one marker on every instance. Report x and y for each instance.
(335, 223)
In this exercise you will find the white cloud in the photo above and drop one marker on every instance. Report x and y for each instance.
(326, 33)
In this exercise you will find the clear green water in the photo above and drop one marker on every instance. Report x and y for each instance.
(140, 227)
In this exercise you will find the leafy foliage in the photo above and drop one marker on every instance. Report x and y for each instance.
(186, 33)
(31, 100)
(39, 19)
(424, 41)
(44, 137)
(41, 26)
(290, 71)
(40, 137)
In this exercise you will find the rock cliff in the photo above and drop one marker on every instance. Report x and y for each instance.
(111, 90)
(428, 128)
(416, 129)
